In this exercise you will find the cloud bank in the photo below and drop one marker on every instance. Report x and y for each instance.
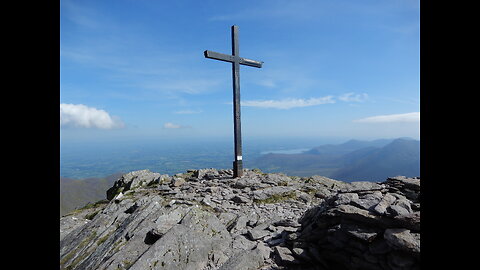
(81, 116)
(352, 97)
(391, 118)
(288, 103)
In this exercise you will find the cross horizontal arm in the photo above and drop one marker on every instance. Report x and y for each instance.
(249, 62)
(219, 56)
(231, 59)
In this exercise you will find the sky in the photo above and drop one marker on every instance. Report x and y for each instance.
(134, 69)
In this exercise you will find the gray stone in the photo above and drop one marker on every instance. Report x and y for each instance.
(402, 239)
(404, 203)
(240, 242)
(263, 194)
(240, 199)
(326, 182)
(284, 254)
(239, 224)
(287, 223)
(304, 197)
(205, 173)
(397, 210)
(164, 188)
(263, 250)
(178, 181)
(276, 179)
(245, 260)
(139, 178)
(367, 202)
(256, 234)
(218, 257)
(360, 186)
(166, 221)
(164, 179)
(301, 253)
(345, 198)
(187, 245)
(248, 182)
(409, 183)
(409, 221)
(355, 213)
(364, 234)
(385, 202)
(274, 242)
(322, 192)
(292, 236)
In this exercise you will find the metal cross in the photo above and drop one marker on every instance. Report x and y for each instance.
(236, 61)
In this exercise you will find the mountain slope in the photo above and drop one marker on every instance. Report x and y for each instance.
(76, 193)
(347, 147)
(400, 157)
(353, 160)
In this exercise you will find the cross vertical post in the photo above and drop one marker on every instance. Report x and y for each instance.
(236, 61)
(237, 127)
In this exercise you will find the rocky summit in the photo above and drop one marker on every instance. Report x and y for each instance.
(206, 219)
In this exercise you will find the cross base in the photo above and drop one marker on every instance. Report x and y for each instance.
(237, 168)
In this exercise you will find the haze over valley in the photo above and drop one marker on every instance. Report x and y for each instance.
(88, 170)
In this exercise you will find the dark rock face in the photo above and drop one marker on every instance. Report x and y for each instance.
(204, 219)
(370, 229)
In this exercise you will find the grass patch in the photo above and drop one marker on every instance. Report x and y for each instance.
(118, 245)
(92, 215)
(72, 253)
(88, 206)
(309, 190)
(277, 198)
(103, 239)
(283, 183)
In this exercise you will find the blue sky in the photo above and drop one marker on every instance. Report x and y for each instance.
(135, 69)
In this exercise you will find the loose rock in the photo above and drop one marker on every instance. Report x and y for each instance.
(205, 219)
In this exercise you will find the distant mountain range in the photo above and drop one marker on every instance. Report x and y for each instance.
(353, 160)
(77, 193)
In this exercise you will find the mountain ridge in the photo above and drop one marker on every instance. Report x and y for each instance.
(350, 161)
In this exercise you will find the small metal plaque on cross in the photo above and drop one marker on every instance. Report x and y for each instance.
(236, 61)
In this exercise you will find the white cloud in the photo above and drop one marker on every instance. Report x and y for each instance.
(352, 97)
(172, 126)
(390, 118)
(81, 116)
(288, 103)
